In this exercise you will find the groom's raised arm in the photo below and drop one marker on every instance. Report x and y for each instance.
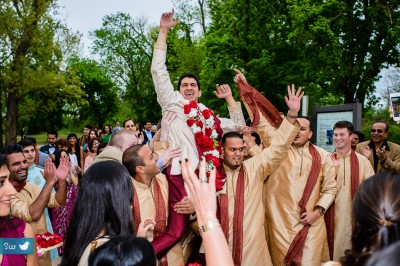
(162, 82)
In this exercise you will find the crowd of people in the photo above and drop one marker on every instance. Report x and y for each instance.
(200, 189)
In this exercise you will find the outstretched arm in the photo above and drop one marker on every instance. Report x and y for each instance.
(293, 101)
(167, 22)
(162, 82)
(265, 129)
(224, 92)
(235, 110)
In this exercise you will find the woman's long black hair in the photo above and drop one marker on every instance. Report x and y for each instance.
(103, 204)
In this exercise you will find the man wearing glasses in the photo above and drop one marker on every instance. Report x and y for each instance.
(382, 154)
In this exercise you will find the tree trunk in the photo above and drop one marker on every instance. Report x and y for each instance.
(19, 63)
(12, 118)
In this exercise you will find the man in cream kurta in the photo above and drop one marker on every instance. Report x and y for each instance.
(283, 191)
(256, 169)
(342, 137)
(141, 163)
(255, 250)
(30, 202)
(285, 187)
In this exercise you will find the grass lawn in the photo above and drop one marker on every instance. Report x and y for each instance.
(41, 139)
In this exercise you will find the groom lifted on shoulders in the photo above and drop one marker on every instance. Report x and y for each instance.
(196, 129)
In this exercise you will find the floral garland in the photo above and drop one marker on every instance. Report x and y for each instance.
(201, 121)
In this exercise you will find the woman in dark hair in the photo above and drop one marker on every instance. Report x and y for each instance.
(92, 134)
(62, 215)
(92, 153)
(73, 151)
(124, 251)
(102, 210)
(376, 214)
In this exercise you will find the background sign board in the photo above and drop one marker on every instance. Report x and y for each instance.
(325, 117)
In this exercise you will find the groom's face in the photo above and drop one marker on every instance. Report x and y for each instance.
(190, 89)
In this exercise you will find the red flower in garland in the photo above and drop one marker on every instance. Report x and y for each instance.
(198, 137)
(208, 144)
(193, 104)
(186, 109)
(202, 123)
(208, 157)
(199, 124)
(219, 182)
(207, 113)
(190, 122)
(208, 132)
(215, 161)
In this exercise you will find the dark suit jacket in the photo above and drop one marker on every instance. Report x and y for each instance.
(145, 136)
(45, 149)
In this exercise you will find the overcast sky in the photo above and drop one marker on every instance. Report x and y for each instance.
(86, 15)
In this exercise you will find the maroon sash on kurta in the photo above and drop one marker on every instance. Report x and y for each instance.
(295, 252)
(161, 215)
(237, 249)
(330, 213)
(257, 102)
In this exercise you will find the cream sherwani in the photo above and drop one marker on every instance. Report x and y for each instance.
(282, 193)
(180, 134)
(343, 202)
(21, 202)
(255, 250)
(284, 190)
(175, 255)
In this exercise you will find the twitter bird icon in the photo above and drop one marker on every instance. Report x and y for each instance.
(24, 246)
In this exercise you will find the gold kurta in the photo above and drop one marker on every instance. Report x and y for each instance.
(284, 189)
(21, 202)
(343, 202)
(281, 196)
(255, 250)
(176, 255)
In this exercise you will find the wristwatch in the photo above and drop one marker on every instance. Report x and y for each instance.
(321, 210)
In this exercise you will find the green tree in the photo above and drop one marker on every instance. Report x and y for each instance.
(333, 49)
(33, 48)
(192, 13)
(349, 42)
(124, 45)
(101, 94)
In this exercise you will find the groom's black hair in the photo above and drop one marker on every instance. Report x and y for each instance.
(188, 75)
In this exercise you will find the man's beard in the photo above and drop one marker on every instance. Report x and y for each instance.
(20, 179)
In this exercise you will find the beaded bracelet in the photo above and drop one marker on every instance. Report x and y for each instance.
(208, 226)
(292, 116)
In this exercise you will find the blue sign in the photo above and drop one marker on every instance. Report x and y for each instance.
(16, 246)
